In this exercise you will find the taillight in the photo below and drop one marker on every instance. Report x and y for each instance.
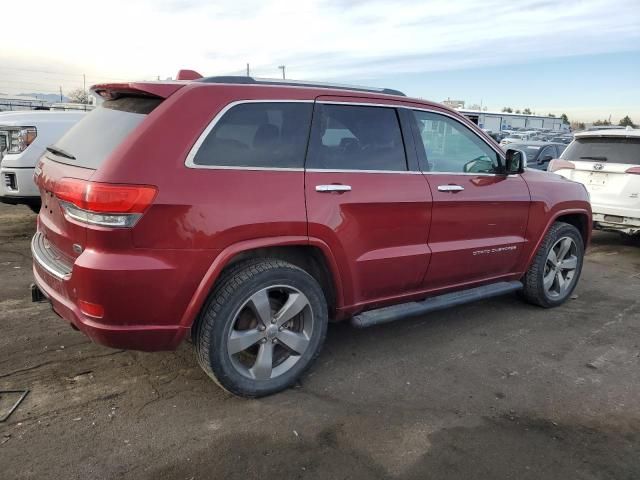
(105, 204)
(559, 164)
(633, 170)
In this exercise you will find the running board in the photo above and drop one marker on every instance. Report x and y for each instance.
(413, 309)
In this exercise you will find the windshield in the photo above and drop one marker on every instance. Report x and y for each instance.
(604, 149)
(90, 141)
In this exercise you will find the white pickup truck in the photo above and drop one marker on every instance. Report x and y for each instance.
(24, 137)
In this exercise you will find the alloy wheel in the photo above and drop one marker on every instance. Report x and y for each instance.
(270, 332)
(560, 267)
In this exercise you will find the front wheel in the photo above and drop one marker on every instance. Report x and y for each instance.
(556, 268)
(262, 327)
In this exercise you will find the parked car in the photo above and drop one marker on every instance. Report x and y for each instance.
(248, 214)
(607, 162)
(539, 154)
(497, 136)
(513, 138)
(565, 139)
(24, 135)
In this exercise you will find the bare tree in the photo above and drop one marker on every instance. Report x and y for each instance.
(78, 96)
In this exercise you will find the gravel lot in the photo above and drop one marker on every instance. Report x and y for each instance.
(497, 389)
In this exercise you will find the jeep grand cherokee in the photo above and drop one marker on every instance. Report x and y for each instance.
(249, 213)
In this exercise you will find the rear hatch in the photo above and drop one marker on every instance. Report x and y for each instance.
(609, 167)
(73, 160)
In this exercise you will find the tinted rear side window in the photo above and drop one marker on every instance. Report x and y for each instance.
(609, 149)
(92, 139)
(350, 137)
(268, 135)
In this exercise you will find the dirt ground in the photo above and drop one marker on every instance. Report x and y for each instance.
(492, 390)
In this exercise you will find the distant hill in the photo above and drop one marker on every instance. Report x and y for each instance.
(49, 97)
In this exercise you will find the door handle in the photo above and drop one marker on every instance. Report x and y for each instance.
(450, 188)
(333, 188)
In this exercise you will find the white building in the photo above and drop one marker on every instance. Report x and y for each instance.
(497, 121)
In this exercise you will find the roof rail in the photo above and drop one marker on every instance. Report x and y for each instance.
(242, 80)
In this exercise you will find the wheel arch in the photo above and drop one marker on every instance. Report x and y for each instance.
(577, 217)
(578, 220)
(313, 256)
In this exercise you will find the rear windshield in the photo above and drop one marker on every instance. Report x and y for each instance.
(90, 141)
(607, 149)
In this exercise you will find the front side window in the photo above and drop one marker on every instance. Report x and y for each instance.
(351, 137)
(451, 147)
(268, 135)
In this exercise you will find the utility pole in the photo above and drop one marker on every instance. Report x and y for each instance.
(60, 93)
(84, 85)
(282, 67)
(248, 73)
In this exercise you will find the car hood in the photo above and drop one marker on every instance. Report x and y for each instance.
(35, 118)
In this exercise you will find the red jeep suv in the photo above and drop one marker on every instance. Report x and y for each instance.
(248, 213)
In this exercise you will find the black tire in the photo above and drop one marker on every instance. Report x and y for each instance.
(223, 309)
(534, 291)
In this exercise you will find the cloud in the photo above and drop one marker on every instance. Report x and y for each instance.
(318, 39)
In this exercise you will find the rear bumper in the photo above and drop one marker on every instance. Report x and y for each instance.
(616, 219)
(131, 337)
(144, 294)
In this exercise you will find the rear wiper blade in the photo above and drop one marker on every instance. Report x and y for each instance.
(602, 159)
(60, 152)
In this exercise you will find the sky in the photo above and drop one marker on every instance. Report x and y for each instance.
(579, 57)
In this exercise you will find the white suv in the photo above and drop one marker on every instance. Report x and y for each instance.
(24, 136)
(607, 162)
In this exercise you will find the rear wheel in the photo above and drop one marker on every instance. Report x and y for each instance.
(556, 268)
(262, 327)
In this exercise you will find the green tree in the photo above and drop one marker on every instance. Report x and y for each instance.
(627, 122)
(564, 118)
(527, 111)
(551, 115)
(518, 111)
(507, 109)
(601, 123)
(581, 126)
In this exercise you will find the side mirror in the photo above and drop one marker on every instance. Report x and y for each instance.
(516, 161)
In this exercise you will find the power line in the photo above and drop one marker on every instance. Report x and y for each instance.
(51, 72)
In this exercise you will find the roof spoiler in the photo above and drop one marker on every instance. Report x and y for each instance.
(188, 75)
(111, 91)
